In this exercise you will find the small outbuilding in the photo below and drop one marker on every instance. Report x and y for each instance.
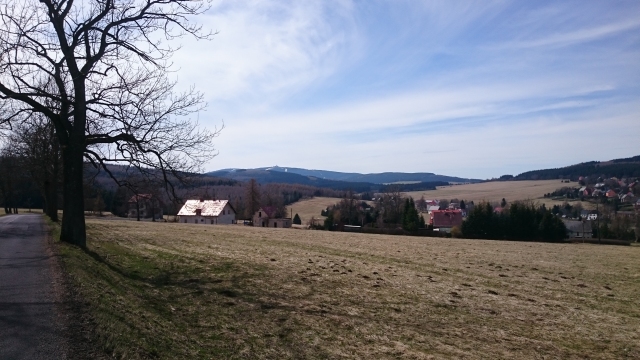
(266, 217)
(212, 212)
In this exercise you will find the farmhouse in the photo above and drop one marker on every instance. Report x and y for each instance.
(578, 229)
(146, 205)
(207, 212)
(444, 220)
(266, 217)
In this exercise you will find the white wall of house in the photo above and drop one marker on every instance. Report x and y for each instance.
(226, 217)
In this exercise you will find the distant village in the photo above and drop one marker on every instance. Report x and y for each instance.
(597, 207)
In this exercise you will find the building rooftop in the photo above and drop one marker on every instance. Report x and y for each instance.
(206, 207)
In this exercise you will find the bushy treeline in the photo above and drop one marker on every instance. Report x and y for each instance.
(389, 211)
(521, 221)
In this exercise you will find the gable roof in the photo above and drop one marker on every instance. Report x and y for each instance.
(206, 207)
(446, 218)
(270, 211)
(577, 226)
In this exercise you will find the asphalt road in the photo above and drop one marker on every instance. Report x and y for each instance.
(30, 324)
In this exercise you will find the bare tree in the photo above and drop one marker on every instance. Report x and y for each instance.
(97, 70)
(252, 197)
(11, 176)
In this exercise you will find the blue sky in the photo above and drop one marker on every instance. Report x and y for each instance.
(471, 89)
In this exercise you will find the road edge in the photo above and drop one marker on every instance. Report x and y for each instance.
(71, 310)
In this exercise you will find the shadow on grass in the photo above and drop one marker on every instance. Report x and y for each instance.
(159, 277)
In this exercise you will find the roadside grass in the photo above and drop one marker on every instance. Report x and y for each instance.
(178, 291)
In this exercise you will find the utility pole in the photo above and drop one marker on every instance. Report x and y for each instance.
(598, 217)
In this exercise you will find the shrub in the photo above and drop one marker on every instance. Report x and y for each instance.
(456, 232)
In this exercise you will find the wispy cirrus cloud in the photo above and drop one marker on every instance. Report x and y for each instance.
(266, 49)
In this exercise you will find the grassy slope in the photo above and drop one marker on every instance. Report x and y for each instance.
(182, 291)
(496, 190)
(308, 208)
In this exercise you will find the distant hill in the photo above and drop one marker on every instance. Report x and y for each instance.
(264, 176)
(378, 178)
(619, 168)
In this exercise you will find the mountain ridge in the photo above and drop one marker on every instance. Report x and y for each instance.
(374, 178)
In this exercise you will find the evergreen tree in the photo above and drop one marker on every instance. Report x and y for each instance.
(410, 216)
(297, 220)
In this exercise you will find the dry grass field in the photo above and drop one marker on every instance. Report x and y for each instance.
(177, 291)
(496, 190)
(308, 208)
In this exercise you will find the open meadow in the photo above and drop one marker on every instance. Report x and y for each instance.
(494, 191)
(178, 291)
(308, 208)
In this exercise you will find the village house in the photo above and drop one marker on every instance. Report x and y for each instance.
(578, 229)
(147, 205)
(454, 206)
(611, 194)
(589, 214)
(266, 217)
(432, 208)
(628, 198)
(444, 220)
(585, 191)
(212, 212)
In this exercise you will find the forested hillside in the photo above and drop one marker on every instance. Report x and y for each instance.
(619, 168)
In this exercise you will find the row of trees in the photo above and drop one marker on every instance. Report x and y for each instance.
(31, 160)
(391, 210)
(520, 221)
(96, 72)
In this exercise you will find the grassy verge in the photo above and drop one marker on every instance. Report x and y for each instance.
(176, 291)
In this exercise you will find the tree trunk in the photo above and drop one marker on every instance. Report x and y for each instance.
(52, 192)
(51, 200)
(73, 225)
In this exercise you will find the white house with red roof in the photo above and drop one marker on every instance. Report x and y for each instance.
(211, 212)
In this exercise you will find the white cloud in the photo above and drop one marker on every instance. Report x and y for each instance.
(586, 34)
(267, 49)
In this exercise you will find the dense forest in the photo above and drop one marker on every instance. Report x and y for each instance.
(619, 168)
